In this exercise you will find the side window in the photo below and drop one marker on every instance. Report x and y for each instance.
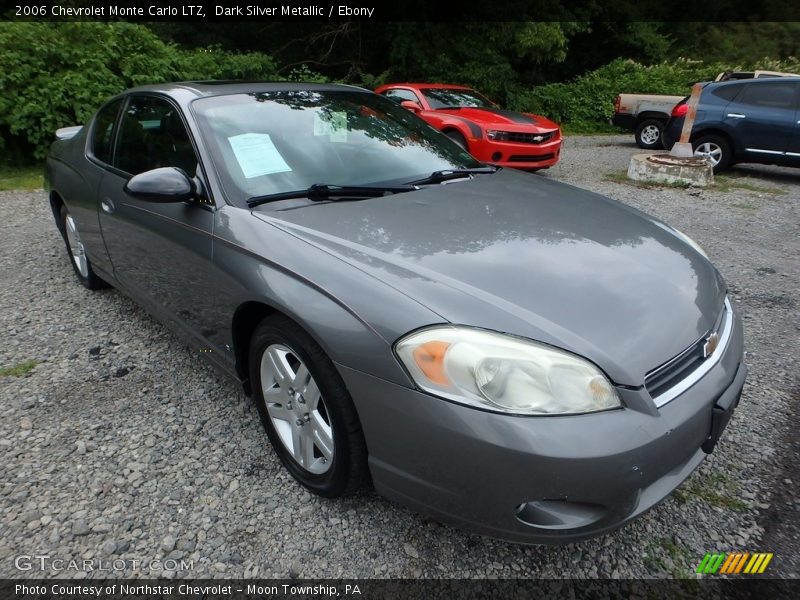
(103, 131)
(152, 135)
(769, 95)
(401, 95)
(727, 92)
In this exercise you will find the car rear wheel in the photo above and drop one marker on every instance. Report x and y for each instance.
(648, 134)
(306, 409)
(458, 139)
(77, 253)
(715, 149)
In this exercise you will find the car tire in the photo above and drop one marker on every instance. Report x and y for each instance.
(649, 134)
(715, 149)
(458, 139)
(306, 410)
(76, 253)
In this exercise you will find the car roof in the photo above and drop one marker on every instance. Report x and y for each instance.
(224, 88)
(755, 81)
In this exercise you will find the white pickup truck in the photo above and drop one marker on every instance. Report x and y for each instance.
(646, 114)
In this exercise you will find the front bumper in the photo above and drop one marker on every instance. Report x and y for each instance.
(519, 156)
(541, 479)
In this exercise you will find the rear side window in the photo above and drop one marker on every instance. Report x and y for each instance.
(103, 131)
(727, 92)
(401, 95)
(769, 95)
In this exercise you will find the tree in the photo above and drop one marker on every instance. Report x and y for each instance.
(56, 74)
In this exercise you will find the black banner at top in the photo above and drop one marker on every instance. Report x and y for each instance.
(409, 10)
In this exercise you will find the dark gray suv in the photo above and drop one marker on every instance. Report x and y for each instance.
(755, 120)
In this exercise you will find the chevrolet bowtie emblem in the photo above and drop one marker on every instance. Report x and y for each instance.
(538, 138)
(711, 344)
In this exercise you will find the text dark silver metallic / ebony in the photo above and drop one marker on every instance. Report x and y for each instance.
(517, 356)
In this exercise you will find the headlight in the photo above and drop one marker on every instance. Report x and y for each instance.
(502, 373)
(690, 241)
(498, 136)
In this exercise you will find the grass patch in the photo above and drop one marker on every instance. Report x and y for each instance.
(722, 183)
(590, 128)
(622, 177)
(19, 370)
(728, 183)
(659, 549)
(20, 178)
(717, 490)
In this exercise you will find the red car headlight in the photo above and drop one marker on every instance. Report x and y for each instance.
(498, 136)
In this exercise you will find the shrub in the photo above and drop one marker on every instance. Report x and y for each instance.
(588, 101)
(55, 75)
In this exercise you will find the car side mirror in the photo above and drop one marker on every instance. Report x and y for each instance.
(411, 105)
(166, 184)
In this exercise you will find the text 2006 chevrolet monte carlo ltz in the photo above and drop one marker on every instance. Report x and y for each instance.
(513, 355)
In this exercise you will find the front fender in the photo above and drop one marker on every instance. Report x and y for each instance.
(353, 316)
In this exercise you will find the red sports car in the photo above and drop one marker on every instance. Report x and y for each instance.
(492, 135)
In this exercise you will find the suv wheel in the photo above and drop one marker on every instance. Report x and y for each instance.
(715, 149)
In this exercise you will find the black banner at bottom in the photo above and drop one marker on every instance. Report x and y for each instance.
(400, 589)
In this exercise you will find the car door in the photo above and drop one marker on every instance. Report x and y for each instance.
(793, 149)
(763, 117)
(161, 253)
(82, 198)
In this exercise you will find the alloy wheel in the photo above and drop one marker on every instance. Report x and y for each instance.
(650, 134)
(710, 151)
(297, 409)
(76, 249)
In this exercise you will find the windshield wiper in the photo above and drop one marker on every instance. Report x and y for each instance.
(322, 191)
(439, 176)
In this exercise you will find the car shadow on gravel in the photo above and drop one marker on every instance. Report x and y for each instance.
(767, 173)
(781, 521)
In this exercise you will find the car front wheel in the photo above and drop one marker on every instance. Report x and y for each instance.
(648, 135)
(306, 409)
(715, 149)
(77, 253)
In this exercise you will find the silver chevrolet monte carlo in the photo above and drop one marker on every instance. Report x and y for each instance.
(517, 356)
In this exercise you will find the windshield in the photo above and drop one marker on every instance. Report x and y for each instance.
(448, 98)
(274, 142)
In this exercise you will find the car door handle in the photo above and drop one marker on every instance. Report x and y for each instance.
(107, 205)
(737, 115)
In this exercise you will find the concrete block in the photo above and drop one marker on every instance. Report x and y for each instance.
(669, 169)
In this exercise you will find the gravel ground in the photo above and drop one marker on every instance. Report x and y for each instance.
(122, 444)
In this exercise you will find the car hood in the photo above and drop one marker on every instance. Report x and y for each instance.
(521, 254)
(496, 117)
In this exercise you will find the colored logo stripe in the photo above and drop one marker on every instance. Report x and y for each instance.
(735, 562)
(711, 562)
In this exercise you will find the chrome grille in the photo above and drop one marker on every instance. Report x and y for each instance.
(527, 138)
(674, 377)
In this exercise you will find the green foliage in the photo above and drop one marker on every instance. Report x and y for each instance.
(56, 74)
(492, 57)
(588, 101)
(736, 42)
(303, 73)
